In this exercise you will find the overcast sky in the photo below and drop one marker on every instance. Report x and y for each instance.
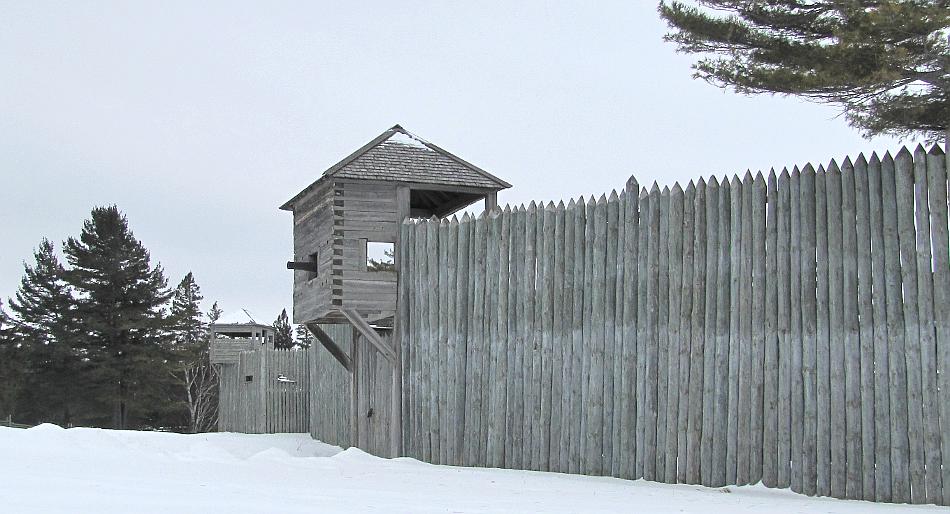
(198, 119)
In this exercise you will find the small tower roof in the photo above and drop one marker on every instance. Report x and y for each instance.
(397, 155)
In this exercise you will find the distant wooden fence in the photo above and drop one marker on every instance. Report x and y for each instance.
(265, 391)
(793, 329)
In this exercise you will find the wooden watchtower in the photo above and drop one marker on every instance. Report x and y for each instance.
(347, 222)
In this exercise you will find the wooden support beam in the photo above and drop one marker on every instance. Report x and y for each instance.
(370, 334)
(330, 345)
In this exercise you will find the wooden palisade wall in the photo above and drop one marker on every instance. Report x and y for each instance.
(792, 329)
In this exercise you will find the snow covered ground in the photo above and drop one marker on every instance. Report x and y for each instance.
(49, 470)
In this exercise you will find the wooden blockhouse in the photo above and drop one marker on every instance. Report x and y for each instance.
(356, 206)
(340, 223)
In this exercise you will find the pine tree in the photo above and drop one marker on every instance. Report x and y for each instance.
(886, 63)
(215, 313)
(304, 339)
(44, 328)
(119, 306)
(13, 364)
(283, 335)
(192, 370)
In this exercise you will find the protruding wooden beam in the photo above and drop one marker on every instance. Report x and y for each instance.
(330, 345)
(302, 266)
(367, 331)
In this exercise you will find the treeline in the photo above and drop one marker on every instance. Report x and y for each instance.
(101, 340)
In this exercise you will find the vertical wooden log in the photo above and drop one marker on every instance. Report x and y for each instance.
(517, 340)
(897, 371)
(610, 309)
(547, 330)
(723, 315)
(433, 346)
(463, 312)
(662, 328)
(685, 333)
(652, 337)
(882, 423)
(928, 342)
(822, 350)
(866, 326)
(710, 405)
(566, 315)
(809, 327)
(578, 343)
(836, 331)
(758, 330)
(795, 339)
(940, 244)
(495, 450)
(557, 339)
(783, 266)
(617, 421)
(642, 332)
(908, 254)
(851, 336)
(734, 327)
(402, 323)
(442, 334)
(629, 393)
(531, 413)
(537, 364)
(695, 421)
(745, 395)
(771, 343)
(676, 390)
(595, 405)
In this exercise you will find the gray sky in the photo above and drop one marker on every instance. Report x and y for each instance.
(198, 119)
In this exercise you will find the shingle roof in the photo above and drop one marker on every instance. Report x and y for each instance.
(399, 156)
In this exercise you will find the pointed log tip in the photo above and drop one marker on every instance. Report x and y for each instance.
(936, 150)
(860, 160)
(759, 177)
(821, 169)
(613, 195)
(591, 201)
(920, 149)
(560, 204)
(570, 204)
(875, 159)
(444, 222)
(735, 182)
(701, 182)
(808, 169)
(632, 183)
(434, 218)
(713, 181)
(532, 206)
(655, 187)
(602, 200)
(903, 153)
(666, 191)
(748, 176)
(549, 206)
(454, 220)
(677, 188)
(508, 208)
(833, 167)
(847, 163)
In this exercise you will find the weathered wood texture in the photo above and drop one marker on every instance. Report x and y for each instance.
(265, 391)
(792, 330)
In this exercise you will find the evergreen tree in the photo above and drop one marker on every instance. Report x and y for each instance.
(192, 369)
(119, 307)
(215, 313)
(13, 364)
(283, 335)
(885, 62)
(44, 328)
(304, 339)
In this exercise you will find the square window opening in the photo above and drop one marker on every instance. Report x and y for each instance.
(380, 256)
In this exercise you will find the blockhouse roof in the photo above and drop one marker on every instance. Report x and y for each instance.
(397, 155)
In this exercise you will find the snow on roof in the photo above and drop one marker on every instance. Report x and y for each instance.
(404, 138)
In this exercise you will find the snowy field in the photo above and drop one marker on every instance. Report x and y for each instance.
(51, 470)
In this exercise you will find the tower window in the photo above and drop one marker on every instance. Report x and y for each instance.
(380, 256)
